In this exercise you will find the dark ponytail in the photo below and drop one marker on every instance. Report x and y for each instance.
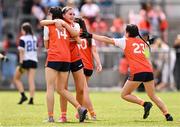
(27, 28)
(83, 28)
(89, 40)
(145, 42)
(133, 31)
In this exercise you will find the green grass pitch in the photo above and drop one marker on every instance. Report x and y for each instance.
(111, 110)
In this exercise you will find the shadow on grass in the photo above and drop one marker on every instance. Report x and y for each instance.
(33, 105)
(145, 121)
(73, 122)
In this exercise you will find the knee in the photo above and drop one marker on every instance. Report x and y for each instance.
(152, 97)
(33, 88)
(80, 91)
(60, 91)
(16, 80)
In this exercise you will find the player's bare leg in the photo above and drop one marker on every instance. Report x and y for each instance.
(150, 89)
(51, 76)
(31, 82)
(61, 81)
(127, 95)
(19, 85)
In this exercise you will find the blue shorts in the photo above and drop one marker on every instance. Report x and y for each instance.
(59, 66)
(141, 77)
(76, 66)
(88, 72)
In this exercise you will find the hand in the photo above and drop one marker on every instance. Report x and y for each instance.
(99, 68)
(59, 24)
(85, 34)
(81, 23)
(21, 69)
(5, 59)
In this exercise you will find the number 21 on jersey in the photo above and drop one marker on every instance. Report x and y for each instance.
(138, 48)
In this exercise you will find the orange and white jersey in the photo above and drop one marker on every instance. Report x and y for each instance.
(74, 50)
(86, 53)
(135, 54)
(58, 44)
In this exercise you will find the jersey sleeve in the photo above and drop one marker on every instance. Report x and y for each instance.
(120, 42)
(93, 42)
(46, 33)
(21, 45)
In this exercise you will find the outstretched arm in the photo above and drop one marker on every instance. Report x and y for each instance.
(100, 38)
(104, 39)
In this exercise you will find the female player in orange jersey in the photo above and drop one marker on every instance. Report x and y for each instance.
(76, 66)
(58, 63)
(88, 53)
(140, 68)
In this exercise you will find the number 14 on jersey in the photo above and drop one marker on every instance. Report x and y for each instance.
(61, 33)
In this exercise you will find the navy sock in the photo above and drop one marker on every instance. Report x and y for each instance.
(23, 94)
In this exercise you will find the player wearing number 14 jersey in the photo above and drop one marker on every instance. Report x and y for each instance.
(57, 68)
(58, 46)
(140, 68)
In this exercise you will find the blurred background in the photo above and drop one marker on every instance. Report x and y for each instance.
(159, 18)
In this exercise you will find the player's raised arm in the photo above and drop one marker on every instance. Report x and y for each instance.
(59, 23)
(100, 38)
(71, 30)
(47, 22)
(46, 37)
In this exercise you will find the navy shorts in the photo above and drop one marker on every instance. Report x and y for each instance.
(76, 66)
(142, 77)
(59, 66)
(27, 64)
(87, 72)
